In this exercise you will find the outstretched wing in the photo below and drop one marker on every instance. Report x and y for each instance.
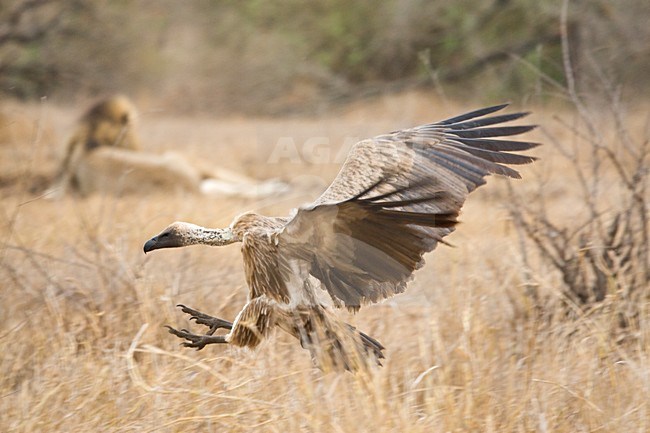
(396, 196)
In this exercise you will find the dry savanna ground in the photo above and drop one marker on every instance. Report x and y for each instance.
(82, 337)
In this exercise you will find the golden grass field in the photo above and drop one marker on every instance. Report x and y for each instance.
(83, 343)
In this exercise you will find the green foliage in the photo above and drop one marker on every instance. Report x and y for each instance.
(366, 40)
(253, 51)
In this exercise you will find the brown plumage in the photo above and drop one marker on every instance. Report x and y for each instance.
(396, 197)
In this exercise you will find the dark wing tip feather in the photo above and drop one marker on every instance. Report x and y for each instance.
(500, 157)
(473, 114)
(496, 145)
(485, 121)
(501, 131)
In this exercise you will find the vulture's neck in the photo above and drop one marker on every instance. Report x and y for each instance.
(217, 237)
(212, 237)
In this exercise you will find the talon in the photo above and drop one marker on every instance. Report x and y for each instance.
(195, 341)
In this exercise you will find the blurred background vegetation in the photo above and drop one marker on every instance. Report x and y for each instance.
(254, 56)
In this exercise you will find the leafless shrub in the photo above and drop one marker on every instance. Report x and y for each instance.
(601, 251)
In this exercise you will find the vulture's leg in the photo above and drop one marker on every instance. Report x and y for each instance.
(195, 340)
(213, 323)
(250, 327)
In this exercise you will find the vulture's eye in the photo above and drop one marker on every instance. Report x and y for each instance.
(164, 235)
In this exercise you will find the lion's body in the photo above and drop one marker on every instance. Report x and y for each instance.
(104, 155)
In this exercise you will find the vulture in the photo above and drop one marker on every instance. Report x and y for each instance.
(395, 198)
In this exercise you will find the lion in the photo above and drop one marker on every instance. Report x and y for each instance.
(104, 155)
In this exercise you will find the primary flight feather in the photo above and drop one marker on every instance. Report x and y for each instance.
(395, 198)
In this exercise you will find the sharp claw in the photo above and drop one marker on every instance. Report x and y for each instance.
(198, 346)
(171, 330)
(186, 309)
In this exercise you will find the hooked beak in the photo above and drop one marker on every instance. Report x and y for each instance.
(151, 245)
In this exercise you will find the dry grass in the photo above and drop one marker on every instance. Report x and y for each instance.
(84, 348)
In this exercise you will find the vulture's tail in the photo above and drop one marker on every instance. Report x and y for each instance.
(334, 345)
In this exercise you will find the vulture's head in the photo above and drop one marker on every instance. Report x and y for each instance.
(178, 234)
(181, 234)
